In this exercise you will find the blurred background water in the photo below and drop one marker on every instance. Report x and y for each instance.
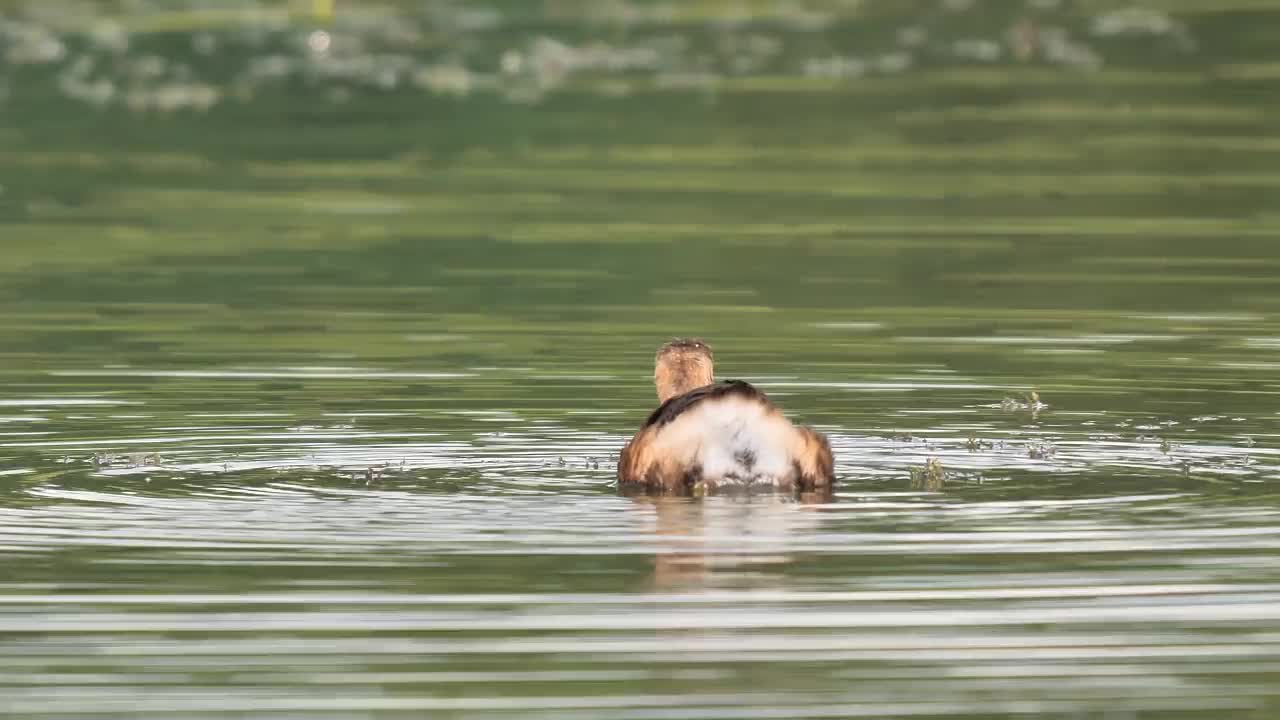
(322, 323)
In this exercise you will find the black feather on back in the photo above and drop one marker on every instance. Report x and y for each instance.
(672, 408)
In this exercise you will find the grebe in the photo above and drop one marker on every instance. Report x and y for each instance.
(710, 435)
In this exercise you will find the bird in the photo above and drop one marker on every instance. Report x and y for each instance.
(707, 435)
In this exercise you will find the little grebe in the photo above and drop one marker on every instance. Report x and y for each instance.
(718, 434)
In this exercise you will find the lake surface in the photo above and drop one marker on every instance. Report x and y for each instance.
(319, 336)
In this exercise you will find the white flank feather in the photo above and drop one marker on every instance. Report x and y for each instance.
(734, 440)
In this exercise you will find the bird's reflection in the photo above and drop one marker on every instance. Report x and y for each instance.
(726, 540)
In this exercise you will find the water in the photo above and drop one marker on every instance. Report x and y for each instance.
(313, 380)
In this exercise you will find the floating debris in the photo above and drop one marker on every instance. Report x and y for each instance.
(1041, 450)
(132, 460)
(932, 476)
(975, 444)
(1029, 402)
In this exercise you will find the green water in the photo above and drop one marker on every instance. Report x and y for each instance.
(312, 381)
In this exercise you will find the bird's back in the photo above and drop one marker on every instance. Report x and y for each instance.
(724, 434)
